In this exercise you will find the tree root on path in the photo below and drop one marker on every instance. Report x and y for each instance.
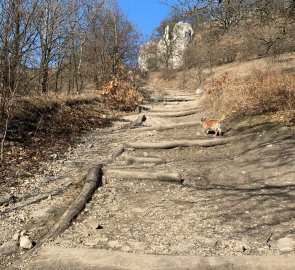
(135, 174)
(131, 160)
(118, 152)
(174, 114)
(167, 127)
(179, 143)
(177, 99)
(92, 182)
(153, 110)
(34, 199)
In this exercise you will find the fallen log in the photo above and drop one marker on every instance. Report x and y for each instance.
(131, 160)
(135, 174)
(92, 182)
(179, 143)
(175, 114)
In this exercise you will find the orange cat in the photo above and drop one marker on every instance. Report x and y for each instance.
(212, 125)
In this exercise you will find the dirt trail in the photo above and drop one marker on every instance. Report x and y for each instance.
(234, 198)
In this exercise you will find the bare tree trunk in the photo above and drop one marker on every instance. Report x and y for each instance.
(79, 66)
(3, 138)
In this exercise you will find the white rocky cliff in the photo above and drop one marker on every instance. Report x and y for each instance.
(168, 51)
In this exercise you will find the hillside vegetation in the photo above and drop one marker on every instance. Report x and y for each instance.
(241, 56)
(239, 89)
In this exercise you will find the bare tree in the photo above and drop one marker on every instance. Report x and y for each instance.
(111, 41)
(17, 38)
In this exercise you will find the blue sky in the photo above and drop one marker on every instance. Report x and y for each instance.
(146, 15)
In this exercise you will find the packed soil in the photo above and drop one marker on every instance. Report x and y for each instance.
(236, 198)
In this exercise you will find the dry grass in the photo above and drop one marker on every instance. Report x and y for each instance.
(260, 92)
(191, 79)
(240, 88)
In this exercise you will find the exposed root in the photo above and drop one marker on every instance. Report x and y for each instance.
(135, 174)
(92, 182)
(179, 143)
(155, 110)
(131, 160)
(166, 127)
(119, 151)
(174, 114)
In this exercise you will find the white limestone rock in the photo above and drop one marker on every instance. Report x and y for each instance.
(25, 242)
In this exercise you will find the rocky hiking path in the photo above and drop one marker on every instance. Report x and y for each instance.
(165, 197)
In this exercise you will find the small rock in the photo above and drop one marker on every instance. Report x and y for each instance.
(114, 244)
(97, 241)
(239, 246)
(92, 224)
(25, 242)
(126, 249)
(286, 244)
(22, 218)
(16, 236)
(23, 233)
(54, 156)
(102, 239)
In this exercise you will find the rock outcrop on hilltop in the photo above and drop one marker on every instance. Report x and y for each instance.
(168, 51)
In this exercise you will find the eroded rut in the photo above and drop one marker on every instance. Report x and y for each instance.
(233, 198)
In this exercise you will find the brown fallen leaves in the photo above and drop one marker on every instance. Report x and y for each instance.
(41, 135)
